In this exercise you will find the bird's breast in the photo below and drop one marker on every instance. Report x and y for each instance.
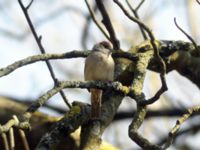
(99, 66)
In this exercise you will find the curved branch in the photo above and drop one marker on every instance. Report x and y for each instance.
(188, 36)
(137, 16)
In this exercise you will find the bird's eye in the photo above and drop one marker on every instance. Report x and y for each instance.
(106, 45)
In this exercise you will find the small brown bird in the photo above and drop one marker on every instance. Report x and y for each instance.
(99, 66)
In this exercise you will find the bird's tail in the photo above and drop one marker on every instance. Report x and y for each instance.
(96, 95)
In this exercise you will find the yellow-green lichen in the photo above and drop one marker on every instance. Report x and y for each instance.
(74, 110)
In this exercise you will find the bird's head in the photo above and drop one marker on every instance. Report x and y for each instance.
(103, 46)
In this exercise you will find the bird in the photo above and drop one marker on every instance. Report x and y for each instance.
(99, 66)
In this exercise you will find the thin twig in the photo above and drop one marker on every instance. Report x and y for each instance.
(187, 35)
(137, 16)
(139, 5)
(38, 40)
(12, 139)
(86, 27)
(5, 141)
(50, 16)
(106, 21)
(24, 139)
(157, 95)
(29, 5)
(95, 21)
(198, 2)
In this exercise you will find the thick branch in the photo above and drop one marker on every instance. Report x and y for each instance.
(77, 115)
(137, 86)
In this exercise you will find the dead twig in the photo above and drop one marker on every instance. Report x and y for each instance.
(188, 36)
(95, 20)
(135, 12)
(38, 40)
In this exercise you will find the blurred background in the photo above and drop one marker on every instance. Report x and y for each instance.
(66, 26)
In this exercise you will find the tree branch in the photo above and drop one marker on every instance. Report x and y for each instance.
(43, 57)
(168, 50)
(179, 122)
(137, 86)
(95, 21)
(106, 21)
(188, 36)
(135, 12)
(74, 118)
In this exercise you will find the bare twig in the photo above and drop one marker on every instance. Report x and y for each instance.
(179, 122)
(137, 16)
(12, 139)
(86, 27)
(95, 21)
(198, 2)
(24, 139)
(38, 40)
(158, 94)
(5, 141)
(106, 21)
(139, 5)
(49, 17)
(29, 5)
(187, 35)
(156, 54)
